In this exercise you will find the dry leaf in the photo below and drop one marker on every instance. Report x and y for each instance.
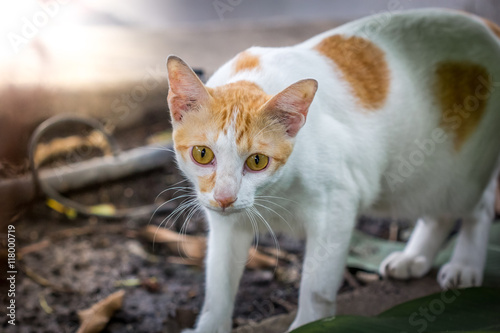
(257, 259)
(185, 261)
(193, 248)
(94, 319)
(366, 277)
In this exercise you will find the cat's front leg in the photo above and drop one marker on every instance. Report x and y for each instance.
(326, 251)
(228, 244)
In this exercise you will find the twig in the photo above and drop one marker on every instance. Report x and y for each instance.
(393, 231)
(42, 281)
(351, 279)
(67, 233)
(43, 303)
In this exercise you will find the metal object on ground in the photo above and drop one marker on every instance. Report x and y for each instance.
(90, 172)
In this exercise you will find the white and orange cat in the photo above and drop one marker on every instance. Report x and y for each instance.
(397, 116)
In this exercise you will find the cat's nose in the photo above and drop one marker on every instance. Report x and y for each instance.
(225, 201)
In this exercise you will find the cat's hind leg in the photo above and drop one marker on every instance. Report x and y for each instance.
(417, 258)
(465, 269)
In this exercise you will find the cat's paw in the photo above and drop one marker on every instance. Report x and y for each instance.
(400, 265)
(457, 275)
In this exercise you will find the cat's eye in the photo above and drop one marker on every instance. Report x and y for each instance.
(202, 154)
(257, 162)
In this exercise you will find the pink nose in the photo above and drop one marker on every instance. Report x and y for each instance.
(225, 201)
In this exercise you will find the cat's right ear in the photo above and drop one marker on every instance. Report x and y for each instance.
(185, 90)
(290, 106)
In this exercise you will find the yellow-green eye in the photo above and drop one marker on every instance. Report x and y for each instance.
(202, 154)
(257, 162)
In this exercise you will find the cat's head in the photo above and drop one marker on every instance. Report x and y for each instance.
(233, 139)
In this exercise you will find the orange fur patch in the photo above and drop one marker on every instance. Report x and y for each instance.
(492, 26)
(246, 61)
(462, 90)
(241, 98)
(241, 102)
(206, 183)
(362, 64)
(236, 105)
(185, 138)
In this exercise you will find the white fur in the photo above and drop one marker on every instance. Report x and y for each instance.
(344, 158)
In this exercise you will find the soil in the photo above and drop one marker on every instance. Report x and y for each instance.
(87, 258)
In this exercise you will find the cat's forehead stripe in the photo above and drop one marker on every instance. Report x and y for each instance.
(235, 104)
(363, 66)
(246, 61)
(462, 90)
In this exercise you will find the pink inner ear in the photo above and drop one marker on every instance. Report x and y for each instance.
(179, 105)
(292, 105)
(295, 123)
(186, 91)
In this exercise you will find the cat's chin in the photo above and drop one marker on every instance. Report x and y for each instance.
(225, 212)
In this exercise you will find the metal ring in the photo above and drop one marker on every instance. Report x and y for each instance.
(34, 141)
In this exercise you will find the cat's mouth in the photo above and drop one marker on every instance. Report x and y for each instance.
(225, 211)
(232, 209)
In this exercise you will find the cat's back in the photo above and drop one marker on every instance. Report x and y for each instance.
(417, 35)
(429, 78)
(424, 87)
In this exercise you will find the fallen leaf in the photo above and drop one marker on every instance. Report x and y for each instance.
(151, 284)
(257, 259)
(288, 274)
(95, 318)
(193, 248)
(185, 261)
(366, 277)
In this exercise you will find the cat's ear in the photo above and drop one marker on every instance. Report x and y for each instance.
(185, 89)
(291, 105)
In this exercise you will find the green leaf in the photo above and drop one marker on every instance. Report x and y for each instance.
(464, 310)
(367, 252)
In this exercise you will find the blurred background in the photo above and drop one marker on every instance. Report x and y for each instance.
(80, 55)
(106, 59)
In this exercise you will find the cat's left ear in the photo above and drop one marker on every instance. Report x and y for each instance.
(185, 90)
(291, 105)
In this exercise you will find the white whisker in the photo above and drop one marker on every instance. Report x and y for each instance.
(160, 148)
(274, 197)
(184, 188)
(273, 235)
(168, 201)
(255, 229)
(275, 212)
(195, 206)
(177, 213)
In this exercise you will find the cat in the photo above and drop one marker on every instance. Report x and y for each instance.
(397, 116)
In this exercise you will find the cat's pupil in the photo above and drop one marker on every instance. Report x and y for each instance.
(203, 152)
(257, 159)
